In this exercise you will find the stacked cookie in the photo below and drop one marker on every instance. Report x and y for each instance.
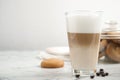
(110, 46)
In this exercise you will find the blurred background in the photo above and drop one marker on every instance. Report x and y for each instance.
(38, 24)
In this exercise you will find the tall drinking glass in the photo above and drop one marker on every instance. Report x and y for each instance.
(83, 29)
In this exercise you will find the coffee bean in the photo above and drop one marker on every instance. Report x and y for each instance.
(77, 76)
(103, 75)
(92, 76)
(98, 74)
(106, 74)
(101, 70)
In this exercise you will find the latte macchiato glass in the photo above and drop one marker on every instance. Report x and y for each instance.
(83, 29)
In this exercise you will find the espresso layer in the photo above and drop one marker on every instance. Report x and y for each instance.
(83, 39)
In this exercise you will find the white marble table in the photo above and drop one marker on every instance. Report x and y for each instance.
(16, 65)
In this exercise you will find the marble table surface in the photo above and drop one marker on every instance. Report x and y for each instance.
(23, 65)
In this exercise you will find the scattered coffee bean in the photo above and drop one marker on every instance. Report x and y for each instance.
(77, 76)
(106, 74)
(102, 70)
(92, 76)
(98, 74)
(103, 75)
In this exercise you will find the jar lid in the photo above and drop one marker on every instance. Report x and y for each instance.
(111, 30)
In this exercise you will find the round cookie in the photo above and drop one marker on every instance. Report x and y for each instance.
(116, 41)
(52, 63)
(103, 45)
(104, 42)
(114, 36)
(113, 51)
(113, 33)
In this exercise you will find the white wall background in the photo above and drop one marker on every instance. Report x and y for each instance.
(38, 24)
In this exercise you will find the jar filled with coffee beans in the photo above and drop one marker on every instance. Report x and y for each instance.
(110, 42)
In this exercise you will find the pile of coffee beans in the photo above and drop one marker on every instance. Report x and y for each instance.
(101, 73)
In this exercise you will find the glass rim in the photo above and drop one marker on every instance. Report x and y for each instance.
(81, 11)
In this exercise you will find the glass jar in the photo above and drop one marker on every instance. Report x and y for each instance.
(110, 42)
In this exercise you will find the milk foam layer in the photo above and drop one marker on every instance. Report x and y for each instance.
(83, 23)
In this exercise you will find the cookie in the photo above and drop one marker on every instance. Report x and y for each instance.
(104, 43)
(113, 33)
(113, 51)
(116, 41)
(102, 48)
(115, 37)
(52, 63)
